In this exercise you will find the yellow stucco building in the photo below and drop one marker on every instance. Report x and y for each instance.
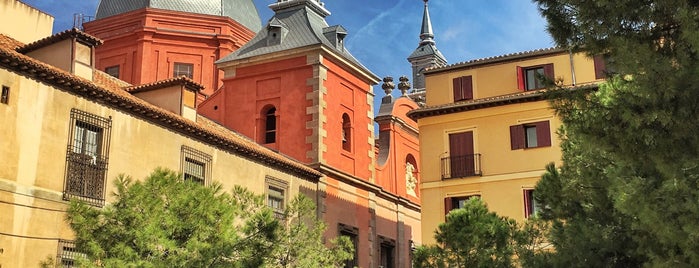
(69, 130)
(486, 130)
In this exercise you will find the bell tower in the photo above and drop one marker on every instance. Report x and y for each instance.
(426, 55)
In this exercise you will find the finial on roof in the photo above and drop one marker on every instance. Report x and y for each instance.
(388, 85)
(426, 35)
(404, 84)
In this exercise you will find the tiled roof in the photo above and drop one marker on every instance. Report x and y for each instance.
(110, 92)
(462, 106)
(306, 28)
(181, 80)
(242, 11)
(426, 50)
(497, 59)
(72, 33)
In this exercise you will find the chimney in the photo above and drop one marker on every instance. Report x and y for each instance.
(72, 51)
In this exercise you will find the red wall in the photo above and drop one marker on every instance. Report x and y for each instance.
(347, 94)
(146, 43)
(280, 83)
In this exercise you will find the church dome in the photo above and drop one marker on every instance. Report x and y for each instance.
(242, 11)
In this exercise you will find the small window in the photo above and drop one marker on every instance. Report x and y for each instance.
(353, 234)
(276, 196)
(183, 69)
(387, 254)
(67, 254)
(112, 70)
(534, 77)
(270, 124)
(196, 165)
(530, 135)
(5, 97)
(531, 207)
(463, 88)
(346, 133)
(456, 202)
(86, 162)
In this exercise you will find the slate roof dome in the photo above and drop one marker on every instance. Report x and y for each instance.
(242, 11)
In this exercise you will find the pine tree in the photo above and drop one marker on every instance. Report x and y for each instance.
(165, 221)
(635, 136)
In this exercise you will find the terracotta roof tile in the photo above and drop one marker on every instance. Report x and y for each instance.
(518, 97)
(72, 33)
(110, 91)
(181, 80)
(496, 59)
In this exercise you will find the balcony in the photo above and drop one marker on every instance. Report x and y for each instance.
(461, 166)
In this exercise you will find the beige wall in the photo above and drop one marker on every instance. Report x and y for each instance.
(500, 79)
(506, 173)
(58, 54)
(23, 22)
(35, 137)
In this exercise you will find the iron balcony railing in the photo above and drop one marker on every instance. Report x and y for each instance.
(461, 166)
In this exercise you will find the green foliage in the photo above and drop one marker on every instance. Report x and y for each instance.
(471, 237)
(630, 174)
(300, 240)
(165, 221)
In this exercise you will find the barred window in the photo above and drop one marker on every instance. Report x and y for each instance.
(87, 157)
(67, 255)
(112, 70)
(276, 196)
(196, 165)
(183, 69)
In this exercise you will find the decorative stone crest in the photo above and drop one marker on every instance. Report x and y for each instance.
(388, 85)
(410, 180)
(404, 85)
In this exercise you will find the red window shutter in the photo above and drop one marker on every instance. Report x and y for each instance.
(467, 87)
(457, 89)
(600, 68)
(520, 78)
(447, 205)
(548, 71)
(527, 204)
(517, 137)
(543, 134)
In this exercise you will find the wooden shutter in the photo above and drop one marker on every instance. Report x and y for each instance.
(447, 206)
(467, 87)
(543, 134)
(600, 68)
(517, 137)
(548, 71)
(457, 89)
(461, 160)
(520, 78)
(527, 204)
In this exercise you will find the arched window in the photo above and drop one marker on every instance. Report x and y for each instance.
(270, 125)
(346, 133)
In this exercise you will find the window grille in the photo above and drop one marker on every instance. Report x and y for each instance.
(276, 196)
(67, 254)
(87, 157)
(183, 69)
(196, 165)
(5, 97)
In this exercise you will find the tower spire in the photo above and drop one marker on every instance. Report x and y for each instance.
(425, 56)
(426, 35)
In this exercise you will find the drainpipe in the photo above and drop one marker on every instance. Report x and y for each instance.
(572, 65)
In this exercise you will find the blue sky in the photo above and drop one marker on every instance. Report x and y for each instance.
(382, 33)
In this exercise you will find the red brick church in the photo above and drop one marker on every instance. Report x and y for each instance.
(292, 86)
